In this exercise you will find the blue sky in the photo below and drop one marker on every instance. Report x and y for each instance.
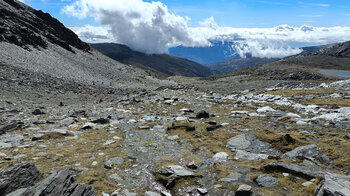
(234, 13)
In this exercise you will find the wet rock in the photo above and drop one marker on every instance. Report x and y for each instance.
(334, 185)
(214, 127)
(101, 121)
(249, 143)
(310, 152)
(10, 127)
(38, 112)
(244, 190)
(15, 177)
(266, 181)
(202, 114)
(220, 157)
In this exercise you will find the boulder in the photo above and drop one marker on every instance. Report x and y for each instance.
(19, 176)
(297, 170)
(310, 152)
(266, 181)
(334, 185)
(249, 143)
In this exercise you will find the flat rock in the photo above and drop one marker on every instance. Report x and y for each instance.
(236, 177)
(311, 152)
(266, 181)
(110, 163)
(220, 157)
(297, 170)
(334, 185)
(244, 155)
(7, 141)
(250, 143)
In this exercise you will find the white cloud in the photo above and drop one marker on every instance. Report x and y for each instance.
(143, 26)
(149, 27)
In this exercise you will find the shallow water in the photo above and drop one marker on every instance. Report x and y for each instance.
(332, 72)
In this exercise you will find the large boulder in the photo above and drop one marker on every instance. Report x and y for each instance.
(310, 152)
(334, 185)
(14, 177)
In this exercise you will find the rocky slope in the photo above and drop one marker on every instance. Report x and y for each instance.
(34, 41)
(165, 64)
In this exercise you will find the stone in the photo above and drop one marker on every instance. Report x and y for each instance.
(109, 142)
(173, 138)
(180, 118)
(297, 170)
(334, 185)
(192, 165)
(220, 157)
(164, 193)
(101, 121)
(110, 163)
(306, 184)
(266, 181)
(144, 127)
(67, 121)
(243, 155)
(214, 127)
(59, 183)
(10, 127)
(236, 177)
(202, 191)
(265, 109)
(202, 114)
(189, 129)
(310, 152)
(8, 141)
(38, 112)
(250, 143)
(244, 190)
(150, 193)
(19, 176)
(173, 172)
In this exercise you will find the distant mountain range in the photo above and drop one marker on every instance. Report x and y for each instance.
(162, 63)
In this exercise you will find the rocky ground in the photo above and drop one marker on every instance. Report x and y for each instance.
(251, 137)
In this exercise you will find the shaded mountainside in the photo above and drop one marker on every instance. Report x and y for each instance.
(163, 63)
(33, 42)
(239, 63)
(25, 26)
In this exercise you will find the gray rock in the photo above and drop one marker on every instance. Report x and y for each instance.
(10, 127)
(109, 164)
(202, 114)
(202, 191)
(241, 154)
(220, 157)
(297, 170)
(192, 165)
(249, 143)
(15, 177)
(334, 185)
(10, 140)
(236, 177)
(59, 183)
(266, 181)
(244, 190)
(173, 172)
(67, 121)
(150, 193)
(38, 112)
(310, 152)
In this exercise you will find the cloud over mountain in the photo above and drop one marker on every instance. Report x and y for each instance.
(151, 28)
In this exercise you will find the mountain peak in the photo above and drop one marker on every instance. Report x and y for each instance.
(27, 27)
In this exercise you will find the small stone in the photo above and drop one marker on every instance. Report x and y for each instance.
(202, 191)
(144, 127)
(189, 129)
(265, 109)
(180, 118)
(266, 181)
(116, 138)
(101, 121)
(244, 190)
(174, 137)
(214, 127)
(94, 163)
(306, 184)
(38, 112)
(285, 174)
(150, 193)
(220, 157)
(109, 142)
(105, 194)
(164, 193)
(192, 165)
(113, 162)
(232, 178)
(202, 114)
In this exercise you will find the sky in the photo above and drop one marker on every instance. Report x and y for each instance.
(264, 28)
(234, 13)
